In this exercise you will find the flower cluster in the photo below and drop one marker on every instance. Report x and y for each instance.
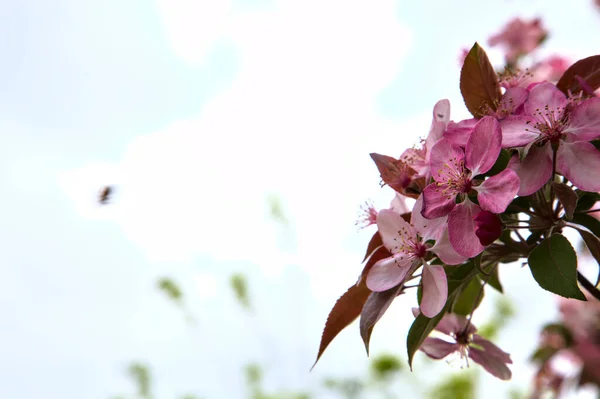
(489, 190)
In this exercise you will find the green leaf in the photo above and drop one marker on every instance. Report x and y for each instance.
(500, 164)
(170, 288)
(375, 307)
(239, 284)
(479, 82)
(543, 354)
(141, 376)
(494, 280)
(553, 264)
(586, 200)
(469, 298)
(567, 197)
(344, 312)
(587, 69)
(422, 326)
(588, 221)
(593, 244)
(384, 366)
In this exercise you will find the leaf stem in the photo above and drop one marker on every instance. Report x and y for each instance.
(588, 286)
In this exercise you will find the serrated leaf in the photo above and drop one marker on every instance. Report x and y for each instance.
(593, 244)
(587, 69)
(567, 197)
(588, 221)
(346, 309)
(479, 82)
(553, 264)
(422, 326)
(374, 243)
(469, 298)
(375, 307)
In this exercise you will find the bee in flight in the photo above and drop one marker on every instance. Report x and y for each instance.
(104, 196)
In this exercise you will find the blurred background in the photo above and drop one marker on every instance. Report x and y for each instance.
(235, 136)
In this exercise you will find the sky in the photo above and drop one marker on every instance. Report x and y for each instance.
(198, 112)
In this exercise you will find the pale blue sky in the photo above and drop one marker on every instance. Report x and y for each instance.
(92, 82)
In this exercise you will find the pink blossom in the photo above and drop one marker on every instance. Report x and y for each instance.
(368, 215)
(511, 103)
(550, 69)
(418, 159)
(550, 121)
(407, 242)
(467, 344)
(519, 38)
(455, 171)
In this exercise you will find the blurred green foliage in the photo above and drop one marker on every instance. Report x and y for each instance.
(141, 376)
(383, 367)
(276, 209)
(239, 285)
(170, 288)
(502, 313)
(459, 386)
(255, 389)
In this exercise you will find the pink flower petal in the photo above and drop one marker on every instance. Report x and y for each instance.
(483, 146)
(453, 323)
(443, 249)
(394, 230)
(516, 131)
(534, 171)
(545, 95)
(498, 191)
(437, 349)
(584, 120)
(491, 349)
(435, 134)
(435, 203)
(427, 228)
(491, 364)
(580, 163)
(441, 111)
(461, 229)
(398, 204)
(514, 98)
(435, 290)
(388, 272)
(445, 159)
(458, 133)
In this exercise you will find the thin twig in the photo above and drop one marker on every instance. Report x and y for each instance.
(588, 286)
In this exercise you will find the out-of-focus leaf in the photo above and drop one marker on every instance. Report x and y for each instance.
(375, 307)
(479, 83)
(567, 197)
(588, 71)
(458, 386)
(344, 312)
(494, 280)
(560, 329)
(170, 288)
(384, 366)
(541, 355)
(422, 326)
(141, 376)
(276, 209)
(239, 284)
(553, 265)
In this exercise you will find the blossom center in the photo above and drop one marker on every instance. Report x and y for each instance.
(454, 178)
(549, 123)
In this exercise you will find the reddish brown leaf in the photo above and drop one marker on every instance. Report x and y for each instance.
(588, 71)
(394, 172)
(380, 253)
(374, 308)
(344, 312)
(479, 83)
(567, 197)
(373, 245)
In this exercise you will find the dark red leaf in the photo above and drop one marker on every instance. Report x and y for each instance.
(479, 83)
(588, 71)
(344, 312)
(374, 309)
(394, 172)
